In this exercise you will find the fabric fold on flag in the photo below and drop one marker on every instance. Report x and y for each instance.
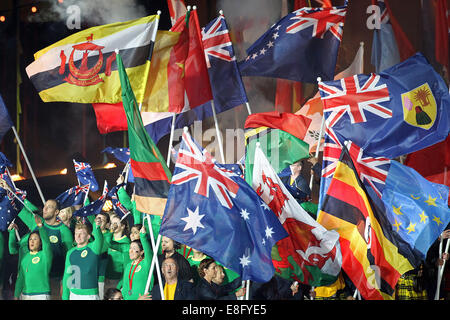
(82, 67)
(151, 174)
(73, 196)
(5, 120)
(215, 211)
(85, 175)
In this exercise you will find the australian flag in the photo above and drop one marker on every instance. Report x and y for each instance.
(123, 155)
(398, 111)
(117, 206)
(9, 208)
(85, 175)
(95, 207)
(5, 120)
(225, 79)
(215, 211)
(302, 46)
(73, 196)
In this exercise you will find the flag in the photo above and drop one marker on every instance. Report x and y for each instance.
(313, 108)
(310, 254)
(389, 45)
(416, 208)
(433, 162)
(121, 154)
(9, 208)
(151, 175)
(302, 46)
(117, 206)
(85, 175)
(218, 213)
(95, 207)
(442, 32)
(177, 9)
(374, 256)
(280, 136)
(5, 120)
(399, 111)
(82, 67)
(73, 196)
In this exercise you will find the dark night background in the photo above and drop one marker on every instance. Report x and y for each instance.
(55, 133)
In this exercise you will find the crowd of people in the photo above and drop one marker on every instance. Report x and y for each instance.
(106, 257)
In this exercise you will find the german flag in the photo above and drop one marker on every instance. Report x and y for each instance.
(373, 255)
(151, 174)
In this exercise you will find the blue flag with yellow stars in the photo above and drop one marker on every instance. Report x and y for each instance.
(417, 208)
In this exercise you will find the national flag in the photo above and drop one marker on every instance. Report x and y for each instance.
(390, 44)
(177, 9)
(374, 256)
(73, 196)
(399, 111)
(311, 254)
(121, 154)
(280, 136)
(151, 175)
(442, 32)
(117, 205)
(5, 120)
(4, 162)
(416, 208)
(313, 108)
(95, 207)
(218, 213)
(82, 67)
(302, 46)
(9, 208)
(85, 175)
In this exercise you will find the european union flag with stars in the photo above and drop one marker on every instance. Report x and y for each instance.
(302, 46)
(417, 209)
(215, 211)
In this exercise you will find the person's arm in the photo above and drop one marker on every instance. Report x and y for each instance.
(66, 238)
(19, 283)
(45, 241)
(27, 215)
(97, 245)
(13, 243)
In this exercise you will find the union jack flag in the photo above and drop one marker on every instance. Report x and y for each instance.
(320, 19)
(73, 196)
(355, 97)
(216, 41)
(117, 205)
(200, 166)
(80, 166)
(85, 175)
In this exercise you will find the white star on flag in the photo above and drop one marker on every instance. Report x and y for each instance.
(244, 260)
(265, 206)
(245, 214)
(193, 220)
(269, 232)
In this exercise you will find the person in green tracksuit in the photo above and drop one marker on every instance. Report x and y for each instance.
(80, 280)
(33, 281)
(60, 236)
(135, 274)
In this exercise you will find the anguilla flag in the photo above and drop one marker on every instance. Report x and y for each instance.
(302, 46)
(398, 111)
(82, 67)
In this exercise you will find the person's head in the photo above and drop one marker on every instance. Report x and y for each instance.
(169, 269)
(34, 242)
(136, 250)
(220, 275)
(135, 232)
(102, 219)
(65, 214)
(118, 225)
(51, 209)
(169, 245)
(113, 294)
(207, 269)
(82, 234)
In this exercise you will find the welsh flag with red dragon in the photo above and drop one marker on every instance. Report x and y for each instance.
(311, 254)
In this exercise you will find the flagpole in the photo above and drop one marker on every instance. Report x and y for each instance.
(158, 271)
(441, 269)
(29, 165)
(171, 138)
(219, 137)
(318, 141)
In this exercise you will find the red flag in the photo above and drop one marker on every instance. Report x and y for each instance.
(441, 33)
(177, 8)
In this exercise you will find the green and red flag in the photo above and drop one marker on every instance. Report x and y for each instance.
(151, 174)
(280, 135)
(310, 254)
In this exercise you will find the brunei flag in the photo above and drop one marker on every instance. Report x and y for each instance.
(82, 68)
(373, 254)
(151, 174)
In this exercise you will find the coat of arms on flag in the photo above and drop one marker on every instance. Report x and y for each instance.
(419, 107)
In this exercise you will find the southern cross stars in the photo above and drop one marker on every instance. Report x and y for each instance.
(193, 220)
(244, 260)
(245, 214)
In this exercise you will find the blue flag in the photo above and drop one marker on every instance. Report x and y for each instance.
(398, 111)
(117, 206)
(217, 212)
(123, 155)
(85, 175)
(9, 208)
(92, 208)
(5, 120)
(302, 46)
(73, 196)
(416, 208)
(225, 79)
